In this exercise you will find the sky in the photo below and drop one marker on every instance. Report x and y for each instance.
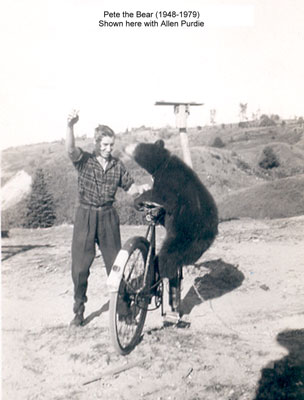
(56, 57)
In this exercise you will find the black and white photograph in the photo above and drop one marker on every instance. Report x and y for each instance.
(152, 200)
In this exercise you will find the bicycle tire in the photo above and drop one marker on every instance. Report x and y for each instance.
(128, 309)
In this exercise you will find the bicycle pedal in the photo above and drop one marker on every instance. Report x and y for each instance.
(171, 318)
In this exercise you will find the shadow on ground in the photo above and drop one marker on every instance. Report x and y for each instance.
(284, 378)
(10, 251)
(96, 314)
(221, 279)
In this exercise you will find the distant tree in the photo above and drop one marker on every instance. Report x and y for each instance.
(275, 117)
(300, 121)
(40, 207)
(212, 116)
(243, 112)
(255, 116)
(269, 159)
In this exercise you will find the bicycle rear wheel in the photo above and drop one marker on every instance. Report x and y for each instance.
(128, 305)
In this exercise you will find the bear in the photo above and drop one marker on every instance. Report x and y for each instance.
(191, 218)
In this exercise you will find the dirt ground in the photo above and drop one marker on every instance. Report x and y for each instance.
(243, 302)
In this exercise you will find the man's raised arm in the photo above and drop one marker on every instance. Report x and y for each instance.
(73, 151)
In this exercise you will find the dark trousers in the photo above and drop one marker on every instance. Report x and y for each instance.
(92, 225)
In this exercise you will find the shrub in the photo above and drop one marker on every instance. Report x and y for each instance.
(218, 142)
(275, 117)
(269, 159)
(14, 217)
(40, 207)
(266, 121)
(243, 165)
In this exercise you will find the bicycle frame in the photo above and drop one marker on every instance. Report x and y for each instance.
(116, 274)
(150, 236)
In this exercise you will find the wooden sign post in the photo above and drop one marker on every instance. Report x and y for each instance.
(181, 111)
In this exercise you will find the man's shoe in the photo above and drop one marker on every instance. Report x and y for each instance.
(78, 320)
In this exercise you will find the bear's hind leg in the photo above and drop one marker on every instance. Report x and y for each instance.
(170, 258)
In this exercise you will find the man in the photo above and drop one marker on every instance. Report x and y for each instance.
(96, 220)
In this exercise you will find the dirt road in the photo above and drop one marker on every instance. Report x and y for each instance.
(243, 300)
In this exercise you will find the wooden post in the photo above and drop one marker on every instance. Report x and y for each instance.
(182, 110)
(185, 147)
(181, 114)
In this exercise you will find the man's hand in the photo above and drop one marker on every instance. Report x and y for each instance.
(135, 190)
(143, 188)
(73, 118)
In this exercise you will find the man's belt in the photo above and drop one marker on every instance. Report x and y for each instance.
(91, 207)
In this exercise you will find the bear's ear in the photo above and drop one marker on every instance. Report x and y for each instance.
(160, 143)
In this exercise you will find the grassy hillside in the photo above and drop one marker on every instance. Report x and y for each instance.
(230, 172)
(277, 199)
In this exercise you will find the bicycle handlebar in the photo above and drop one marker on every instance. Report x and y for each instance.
(148, 205)
(153, 211)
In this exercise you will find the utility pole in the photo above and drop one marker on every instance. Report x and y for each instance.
(181, 111)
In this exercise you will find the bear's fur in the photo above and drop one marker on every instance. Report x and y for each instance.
(191, 219)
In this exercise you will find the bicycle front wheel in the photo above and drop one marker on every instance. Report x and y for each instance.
(128, 305)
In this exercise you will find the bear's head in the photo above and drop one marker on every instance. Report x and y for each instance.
(149, 156)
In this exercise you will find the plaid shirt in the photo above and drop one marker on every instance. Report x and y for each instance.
(97, 187)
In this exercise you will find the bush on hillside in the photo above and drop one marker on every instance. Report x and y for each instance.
(266, 121)
(40, 207)
(269, 159)
(14, 217)
(243, 124)
(217, 142)
(243, 165)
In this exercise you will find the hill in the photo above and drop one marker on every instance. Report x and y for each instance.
(229, 170)
(277, 199)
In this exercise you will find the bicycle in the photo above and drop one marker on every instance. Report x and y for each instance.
(134, 281)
